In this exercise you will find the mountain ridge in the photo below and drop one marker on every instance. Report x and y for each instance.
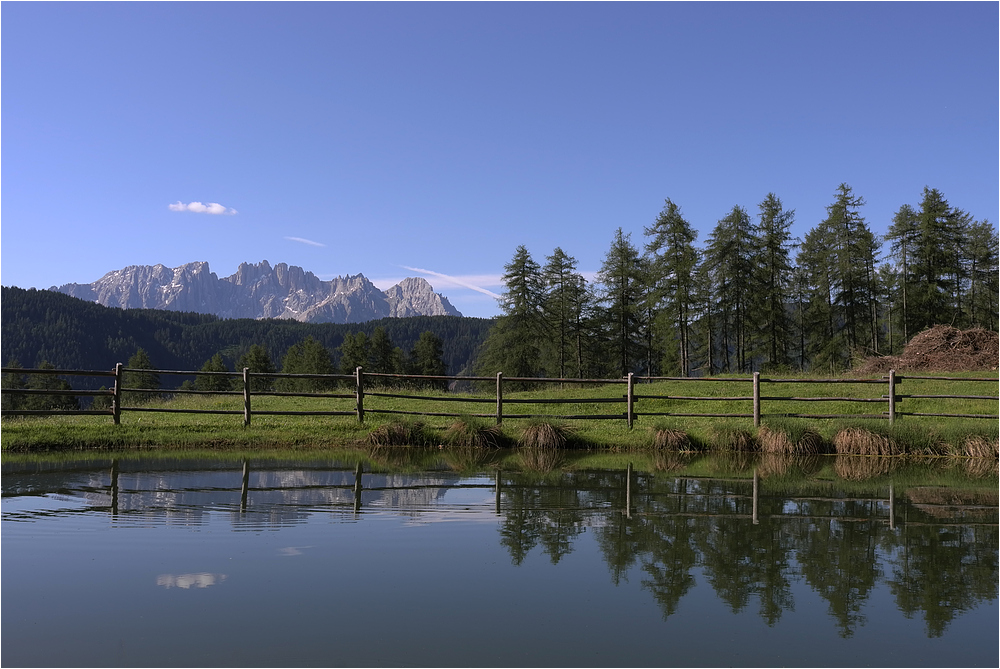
(261, 291)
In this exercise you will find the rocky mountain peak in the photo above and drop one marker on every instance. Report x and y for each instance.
(261, 291)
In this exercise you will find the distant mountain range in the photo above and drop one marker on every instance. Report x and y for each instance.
(261, 291)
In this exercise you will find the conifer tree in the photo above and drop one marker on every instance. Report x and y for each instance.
(732, 254)
(257, 361)
(13, 381)
(673, 263)
(306, 357)
(426, 359)
(775, 276)
(355, 352)
(382, 358)
(621, 276)
(49, 382)
(514, 343)
(140, 378)
(560, 309)
(981, 256)
(213, 382)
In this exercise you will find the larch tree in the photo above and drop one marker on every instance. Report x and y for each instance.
(621, 276)
(775, 277)
(672, 261)
(732, 255)
(514, 343)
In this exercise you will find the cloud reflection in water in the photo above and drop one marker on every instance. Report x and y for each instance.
(187, 581)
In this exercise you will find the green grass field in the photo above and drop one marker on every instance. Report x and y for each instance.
(919, 434)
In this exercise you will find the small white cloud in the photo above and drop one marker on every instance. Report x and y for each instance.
(200, 208)
(300, 240)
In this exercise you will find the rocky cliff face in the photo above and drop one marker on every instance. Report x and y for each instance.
(261, 291)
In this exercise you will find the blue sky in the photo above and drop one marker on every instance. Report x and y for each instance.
(388, 138)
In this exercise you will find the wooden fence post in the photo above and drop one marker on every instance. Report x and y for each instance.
(892, 396)
(630, 401)
(499, 398)
(246, 397)
(116, 400)
(756, 399)
(756, 485)
(359, 375)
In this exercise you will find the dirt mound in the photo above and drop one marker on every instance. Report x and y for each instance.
(944, 349)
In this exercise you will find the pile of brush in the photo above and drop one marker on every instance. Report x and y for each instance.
(942, 348)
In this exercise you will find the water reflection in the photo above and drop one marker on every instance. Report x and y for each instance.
(188, 581)
(752, 538)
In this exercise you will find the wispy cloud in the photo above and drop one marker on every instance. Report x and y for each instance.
(459, 281)
(200, 208)
(300, 240)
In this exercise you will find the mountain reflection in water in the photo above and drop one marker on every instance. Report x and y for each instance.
(750, 538)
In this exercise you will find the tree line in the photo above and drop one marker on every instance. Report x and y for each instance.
(752, 298)
(376, 354)
(69, 333)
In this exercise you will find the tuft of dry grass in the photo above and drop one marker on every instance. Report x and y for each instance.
(669, 439)
(544, 435)
(978, 446)
(470, 434)
(399, 433)
(859, 468)
(774, 441)
(811, 443)
(742, 441)
(858, 441)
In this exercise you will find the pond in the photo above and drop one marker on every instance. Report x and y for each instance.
(226, 561)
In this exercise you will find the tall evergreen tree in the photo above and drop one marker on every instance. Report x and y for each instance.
(140, 378)
(13, 381)
(383, 354)
(855, 251)
(820, 343)
(903, 235)
(514, 343)
(981, 257)
(306, 357)
(935, 259)
(775, 277)
(257, 360)
(673, 262)
(732, 255)
(560, 308)
(49, 382)
(213, 382)
(621, 276)
(355, 352)
(426, 359)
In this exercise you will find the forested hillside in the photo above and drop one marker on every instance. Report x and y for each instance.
(41, 325)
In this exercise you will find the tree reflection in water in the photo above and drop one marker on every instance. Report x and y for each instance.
(937, 554)
(936, 563)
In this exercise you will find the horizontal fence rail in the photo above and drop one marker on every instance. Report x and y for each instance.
(372, 386)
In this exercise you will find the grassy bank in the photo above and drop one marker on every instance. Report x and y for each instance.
(912, 435)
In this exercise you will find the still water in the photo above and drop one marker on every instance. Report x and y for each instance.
(278, 562)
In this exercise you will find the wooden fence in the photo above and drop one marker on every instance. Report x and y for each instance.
(886, 388)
